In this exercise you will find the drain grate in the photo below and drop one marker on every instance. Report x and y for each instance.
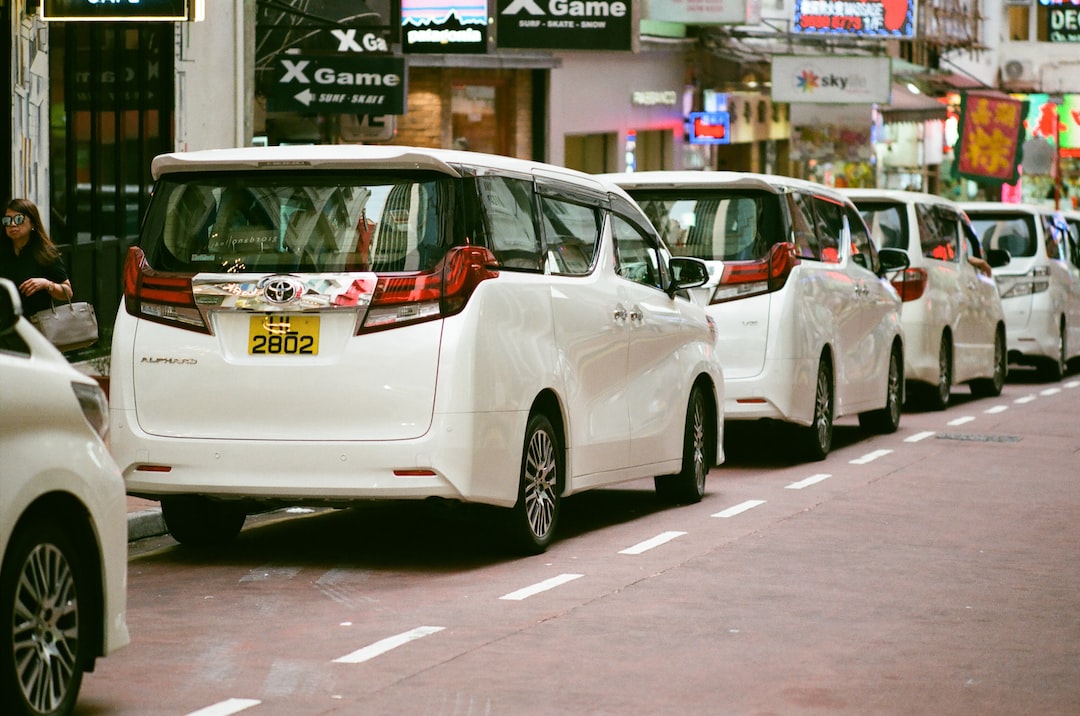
(979, 438)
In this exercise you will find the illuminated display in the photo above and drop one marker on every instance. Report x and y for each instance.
(709, 128)
(877, 18)
(113, 10)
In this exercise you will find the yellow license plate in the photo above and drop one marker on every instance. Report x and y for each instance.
(278, 334)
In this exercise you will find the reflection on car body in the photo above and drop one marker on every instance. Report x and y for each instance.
(393, 322)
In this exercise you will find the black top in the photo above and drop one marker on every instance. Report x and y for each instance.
(19, 267)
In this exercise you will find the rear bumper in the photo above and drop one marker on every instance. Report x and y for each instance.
(466, 456)
(1031, 327)
(784, 390)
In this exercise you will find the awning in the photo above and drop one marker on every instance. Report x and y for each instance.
(908, 106)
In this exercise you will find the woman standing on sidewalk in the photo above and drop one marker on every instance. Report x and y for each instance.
(30, 259)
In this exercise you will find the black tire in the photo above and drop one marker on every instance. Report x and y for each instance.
(815, 439)
(937, 397)
(1055, 369)
(887, 419)
(688, 487)
(992, 387)
(536, 514)
(47, 606)
(196, 521)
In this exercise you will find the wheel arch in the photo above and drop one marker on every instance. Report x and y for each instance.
(66, 510)
(548, 403)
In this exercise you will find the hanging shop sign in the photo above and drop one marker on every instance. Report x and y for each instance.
(709, 128)
(566, 24)
(112, 10)
(448, 27)
(829, 79)
(991, 135)
(873, 18)
(1054, 121)
(343, 84)
(704, 12)
(1063, 23)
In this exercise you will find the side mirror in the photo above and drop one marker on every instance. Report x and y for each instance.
(686, 272)
(998, 257)
(893, 260)
(10, 306)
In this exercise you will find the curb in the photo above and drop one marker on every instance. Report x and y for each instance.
(145, 523)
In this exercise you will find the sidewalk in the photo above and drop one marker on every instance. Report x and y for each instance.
(144, 519)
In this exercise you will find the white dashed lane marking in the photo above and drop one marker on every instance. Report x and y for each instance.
(996, 409)
(648, 544)
(869, 457)
(224, 708)
(961, 420)
(812, 480)
(739, 508)
(540, 587)
(918, 436)
(1050, 391)
(384, 645)
(1025, 399)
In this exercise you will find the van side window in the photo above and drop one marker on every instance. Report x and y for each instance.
(937, 233)
(802, 226)
(636, 257)
(830, 228)
(862, 248)
(571, 233)
(507, 209)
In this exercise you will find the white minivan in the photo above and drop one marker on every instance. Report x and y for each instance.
(328, 324)
(954, 326)
(63, 524)
(1040, 288)
(809, 326)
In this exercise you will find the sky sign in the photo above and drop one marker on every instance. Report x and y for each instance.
(829, 79)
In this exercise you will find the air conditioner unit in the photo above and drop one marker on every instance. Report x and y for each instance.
(1018, 72)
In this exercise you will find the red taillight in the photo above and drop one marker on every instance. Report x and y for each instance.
(910, 283)
(158, 295)
(441, 292)
(750, 278)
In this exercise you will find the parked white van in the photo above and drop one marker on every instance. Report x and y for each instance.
(954, 326)
(809, 326)
(1040, 288)
(327, 324)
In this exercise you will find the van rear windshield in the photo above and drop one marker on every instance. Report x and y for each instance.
(273, 221)
(715, 225)
(1013, 232)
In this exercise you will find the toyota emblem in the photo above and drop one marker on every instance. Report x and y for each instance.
(281, 289)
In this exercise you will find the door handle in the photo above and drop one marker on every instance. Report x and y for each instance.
(620, 314)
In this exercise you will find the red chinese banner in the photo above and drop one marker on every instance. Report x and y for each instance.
(991, 134)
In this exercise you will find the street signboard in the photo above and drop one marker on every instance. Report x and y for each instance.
(338, 84)
(144, 10)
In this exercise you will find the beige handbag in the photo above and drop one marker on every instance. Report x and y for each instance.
(69, 326)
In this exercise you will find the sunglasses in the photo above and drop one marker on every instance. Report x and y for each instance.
(15, 219)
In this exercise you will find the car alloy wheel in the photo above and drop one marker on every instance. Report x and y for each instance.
(44, 619)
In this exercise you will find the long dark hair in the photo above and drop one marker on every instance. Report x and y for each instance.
(43, 249)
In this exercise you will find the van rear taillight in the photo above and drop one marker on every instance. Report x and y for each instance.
(443, 291)
(160, 296)
(910, 283)
(742, 279)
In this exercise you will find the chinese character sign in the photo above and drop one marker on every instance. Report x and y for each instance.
(991, 134)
